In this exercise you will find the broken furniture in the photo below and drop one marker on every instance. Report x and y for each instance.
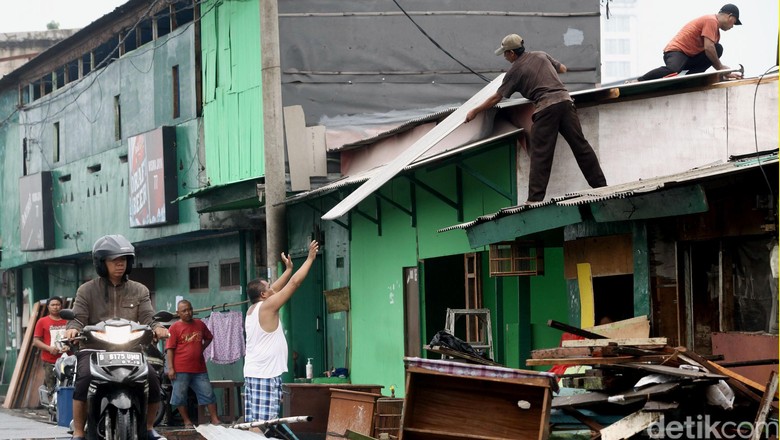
(350, 410)
(451, 400)
(309, 399)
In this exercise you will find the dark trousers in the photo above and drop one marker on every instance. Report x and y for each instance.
(561, 117)
(676, 62)
(84, 376)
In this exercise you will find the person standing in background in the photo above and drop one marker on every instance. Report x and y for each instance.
(266, 345)
(186, 364)
(50, 330)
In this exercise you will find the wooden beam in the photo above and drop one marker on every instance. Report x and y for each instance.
(26, 350)
(595, 360)
(639, 342)
(585, 420)
(765, 406)
(630, 425)
(573, 330)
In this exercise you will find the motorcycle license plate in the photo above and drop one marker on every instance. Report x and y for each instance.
(118, 358)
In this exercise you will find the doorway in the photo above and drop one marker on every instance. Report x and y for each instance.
(444, 288)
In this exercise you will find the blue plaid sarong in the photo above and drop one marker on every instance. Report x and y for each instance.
(261, 398)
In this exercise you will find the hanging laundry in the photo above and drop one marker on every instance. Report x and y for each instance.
(228, 331)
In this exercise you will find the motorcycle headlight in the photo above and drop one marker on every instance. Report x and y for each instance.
(118, 335)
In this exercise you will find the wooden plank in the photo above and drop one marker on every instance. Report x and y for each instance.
(607, 255)
(319, 163)
(557, 353)
(587, 305)
(298, 150)
(460, 355)
(596, 360)
(627, 397)
(523, 223)
(445, 127)
(573, 330)
(695, 359)
(638, 342)
(637, 327)
(653, 405)
(672, 371)
(715, 368)
(24, 351)
(765, 406)
(630, 425)
(585, 420)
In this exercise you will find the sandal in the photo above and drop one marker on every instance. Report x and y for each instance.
(189, 426)
(152, 434)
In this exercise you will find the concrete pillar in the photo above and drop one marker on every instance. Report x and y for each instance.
(275, 187)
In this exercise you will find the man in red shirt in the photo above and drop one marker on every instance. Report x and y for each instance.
(48, 331)
(695, 48)
(186, 365)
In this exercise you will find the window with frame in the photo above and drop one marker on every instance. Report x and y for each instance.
(199, 277)
(229, 275)
(516, 258)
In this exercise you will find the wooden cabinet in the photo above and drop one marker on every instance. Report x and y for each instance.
(479, 402)
(308, 399)
(350, 410)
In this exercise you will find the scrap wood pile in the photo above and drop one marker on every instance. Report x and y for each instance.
(639, 386)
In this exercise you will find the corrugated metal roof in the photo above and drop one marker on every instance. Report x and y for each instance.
(366, 175)
(615, 90)
(633, 188)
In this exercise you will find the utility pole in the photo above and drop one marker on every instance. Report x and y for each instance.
(275, 185)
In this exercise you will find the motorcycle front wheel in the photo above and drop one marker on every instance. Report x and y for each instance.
(123, 425)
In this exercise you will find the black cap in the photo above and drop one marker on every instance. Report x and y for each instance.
(731, 10)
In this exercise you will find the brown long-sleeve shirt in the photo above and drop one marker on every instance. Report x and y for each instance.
(98, 300)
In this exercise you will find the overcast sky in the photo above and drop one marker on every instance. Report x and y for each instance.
(754, 44)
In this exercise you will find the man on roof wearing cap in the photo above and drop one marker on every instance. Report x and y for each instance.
(695, 48)
(535, 76)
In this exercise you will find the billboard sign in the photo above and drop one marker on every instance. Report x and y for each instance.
(36, 220)
(152, 162)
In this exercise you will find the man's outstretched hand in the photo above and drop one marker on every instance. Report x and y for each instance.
(313, 248)
(288, 264)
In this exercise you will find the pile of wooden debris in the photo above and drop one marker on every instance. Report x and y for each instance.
(622, 387)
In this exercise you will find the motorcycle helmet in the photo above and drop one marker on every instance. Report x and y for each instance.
(108, 247)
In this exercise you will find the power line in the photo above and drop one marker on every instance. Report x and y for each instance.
(437, 44)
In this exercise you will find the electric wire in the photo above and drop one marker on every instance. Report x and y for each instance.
(98, 70)
(755, 132)
(483, 77)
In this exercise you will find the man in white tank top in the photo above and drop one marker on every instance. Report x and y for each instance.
(266, 346)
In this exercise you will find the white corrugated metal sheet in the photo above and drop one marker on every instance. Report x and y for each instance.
(366, 175)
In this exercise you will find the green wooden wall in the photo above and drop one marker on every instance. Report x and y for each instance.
(377, 263)
(232, 92)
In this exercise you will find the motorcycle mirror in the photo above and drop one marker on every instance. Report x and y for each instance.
(163, 316)
(67, 314)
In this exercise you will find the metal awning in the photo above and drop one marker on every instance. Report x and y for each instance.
(611, 203)
(240, 194)
(368, 174)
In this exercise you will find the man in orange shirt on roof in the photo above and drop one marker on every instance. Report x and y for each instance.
(695, 48)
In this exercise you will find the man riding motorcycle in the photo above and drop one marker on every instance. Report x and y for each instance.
(111, 295)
